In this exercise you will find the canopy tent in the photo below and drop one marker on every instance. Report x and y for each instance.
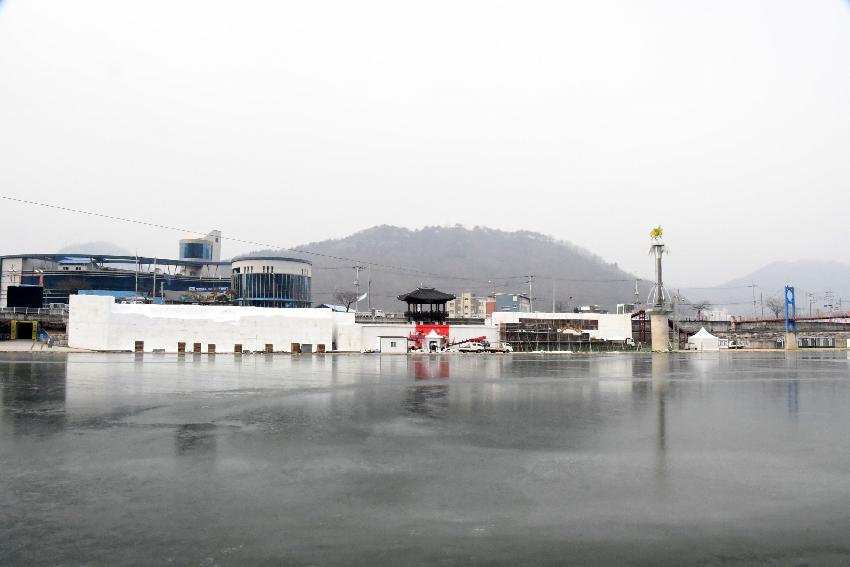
(703, 340)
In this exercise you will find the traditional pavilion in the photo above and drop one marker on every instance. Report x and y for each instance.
(426, 305)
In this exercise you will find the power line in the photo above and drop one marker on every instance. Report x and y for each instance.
(390, 267)
(412, 271)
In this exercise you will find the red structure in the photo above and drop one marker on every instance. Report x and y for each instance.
(423, 330)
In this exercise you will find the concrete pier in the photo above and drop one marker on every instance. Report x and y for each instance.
(791, 341)
(659, 323)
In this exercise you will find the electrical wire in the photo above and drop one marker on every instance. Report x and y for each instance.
(392, 268)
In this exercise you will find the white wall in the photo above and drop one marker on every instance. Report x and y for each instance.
(346, 333)
(362, 337)
(98, 323)
(611, 325)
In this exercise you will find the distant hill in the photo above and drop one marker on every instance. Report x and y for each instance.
(820, 278)
(99, 247)
(457, 259)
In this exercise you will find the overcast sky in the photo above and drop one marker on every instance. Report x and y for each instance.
(726, 121)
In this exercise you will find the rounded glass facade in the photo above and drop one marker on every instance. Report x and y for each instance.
(271, 282)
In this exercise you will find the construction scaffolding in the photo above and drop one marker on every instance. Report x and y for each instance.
(554, 335)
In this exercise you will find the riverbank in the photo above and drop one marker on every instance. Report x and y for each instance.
(25, 345)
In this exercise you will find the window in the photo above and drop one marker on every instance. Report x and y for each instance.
(201, 250)
(393, 344)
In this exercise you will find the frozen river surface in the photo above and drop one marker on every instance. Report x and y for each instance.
(707, 459)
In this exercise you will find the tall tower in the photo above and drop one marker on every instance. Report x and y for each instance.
(658, 303)
(790, 318)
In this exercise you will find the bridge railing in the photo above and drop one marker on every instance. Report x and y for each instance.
(59, 310)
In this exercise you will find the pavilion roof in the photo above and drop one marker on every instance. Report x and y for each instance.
(426, 295)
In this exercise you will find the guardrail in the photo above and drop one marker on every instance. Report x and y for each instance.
(35, 311)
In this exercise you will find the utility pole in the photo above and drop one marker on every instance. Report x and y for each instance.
(153, 296)
(753, 286)
(637, 294)
(553, 295)
(137, 272)
(530, 297)
(369, 289)
(357, 269)
(761, 299)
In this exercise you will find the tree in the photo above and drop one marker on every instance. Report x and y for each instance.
(775, 305)
(345, 297)
(701, 306)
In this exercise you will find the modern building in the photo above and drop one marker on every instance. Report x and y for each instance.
(271, 281)
(512, 303)
(205, 249)
(62, 275)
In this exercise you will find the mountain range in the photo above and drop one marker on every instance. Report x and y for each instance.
(483, 260)
(820, 285)
(456, 259)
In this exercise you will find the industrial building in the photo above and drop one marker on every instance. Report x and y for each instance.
(51, 278)
(530, 332)
(198, 276)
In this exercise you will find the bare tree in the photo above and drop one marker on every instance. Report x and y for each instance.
(345, 297)
(701, 306)
(775, 305)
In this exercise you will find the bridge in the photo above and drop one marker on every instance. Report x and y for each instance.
(54, 318)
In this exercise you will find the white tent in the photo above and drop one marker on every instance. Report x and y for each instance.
(703, 341)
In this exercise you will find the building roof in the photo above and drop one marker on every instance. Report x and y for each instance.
(249, 258)
(333, 307)
(112, 259)
(426, 295)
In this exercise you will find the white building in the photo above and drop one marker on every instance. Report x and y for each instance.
(392, 345)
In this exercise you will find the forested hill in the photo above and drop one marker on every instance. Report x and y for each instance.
(456, 259)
